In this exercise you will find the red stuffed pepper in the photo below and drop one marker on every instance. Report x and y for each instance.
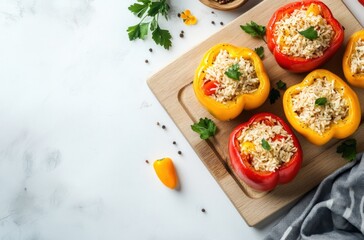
(303, 35)
(264, 152)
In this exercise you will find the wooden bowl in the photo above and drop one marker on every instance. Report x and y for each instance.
(224, 7)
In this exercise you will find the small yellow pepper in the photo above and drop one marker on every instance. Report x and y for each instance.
(166, 172)
(231, 109)
(340, 130)
(355, 79)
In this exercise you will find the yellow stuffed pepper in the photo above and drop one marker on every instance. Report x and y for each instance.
(353, 61)
(322, 107)
(230, 79)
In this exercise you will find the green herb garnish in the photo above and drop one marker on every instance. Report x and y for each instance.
(254, 29)
(205, 127)
(260, 51)
(309, 33)
(281, 85)
(321, 101)
(348, 149)
(149, 12)
(233, 72)
(274, 94)
(265, 145)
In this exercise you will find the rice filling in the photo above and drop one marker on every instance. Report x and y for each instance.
(228, 89)
(357, 58)
(281, 149)
(320, 118)
(290, 42)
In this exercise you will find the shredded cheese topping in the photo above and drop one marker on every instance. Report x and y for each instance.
(320, 118)
(228, 89)
(281, 149)
(357, 58)
(292, 43)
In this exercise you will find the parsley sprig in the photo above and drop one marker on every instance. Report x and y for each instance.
(321, 101)
(265, 145)
(274, 93)
(149, 11)
(233, 72)
(260, 51)
(281, 85)
(205, 127)
(309, 33)
(254, 29)
(347, 149)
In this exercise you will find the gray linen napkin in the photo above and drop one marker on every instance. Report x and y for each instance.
(334, 210)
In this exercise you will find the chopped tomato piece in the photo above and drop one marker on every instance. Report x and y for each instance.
(278, 137)
(210, 87)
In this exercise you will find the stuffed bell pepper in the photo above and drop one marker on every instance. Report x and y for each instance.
(322, 107)
(264, 152)
(303, 35)
(230, 79)
(353, 61)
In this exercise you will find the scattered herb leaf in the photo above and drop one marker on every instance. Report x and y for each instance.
(309, 33)
(265, 145)
(281, 85)
(260, 51)
(347, 149)
(233, 72)
(274, 94)
(321, 101)
(205, 127)
(149, 11)
(139, 9)
(162, 37)
(254, 29)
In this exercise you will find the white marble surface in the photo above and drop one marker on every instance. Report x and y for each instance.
(77, 122)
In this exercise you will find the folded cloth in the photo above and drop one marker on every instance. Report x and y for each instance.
(334, 210)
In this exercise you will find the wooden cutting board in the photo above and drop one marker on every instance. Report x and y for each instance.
(173, 88)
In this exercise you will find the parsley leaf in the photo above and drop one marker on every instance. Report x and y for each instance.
(138, 31)
(149, 12)
(348, 149)
(321, 101)
(274, 94)
(309, 33)
(159, 7)
(254, 29)
(281, 85)
(139, 9)
(162, 37)
(265, 144)
(233, 72)
(260, 51)
(205, 127)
